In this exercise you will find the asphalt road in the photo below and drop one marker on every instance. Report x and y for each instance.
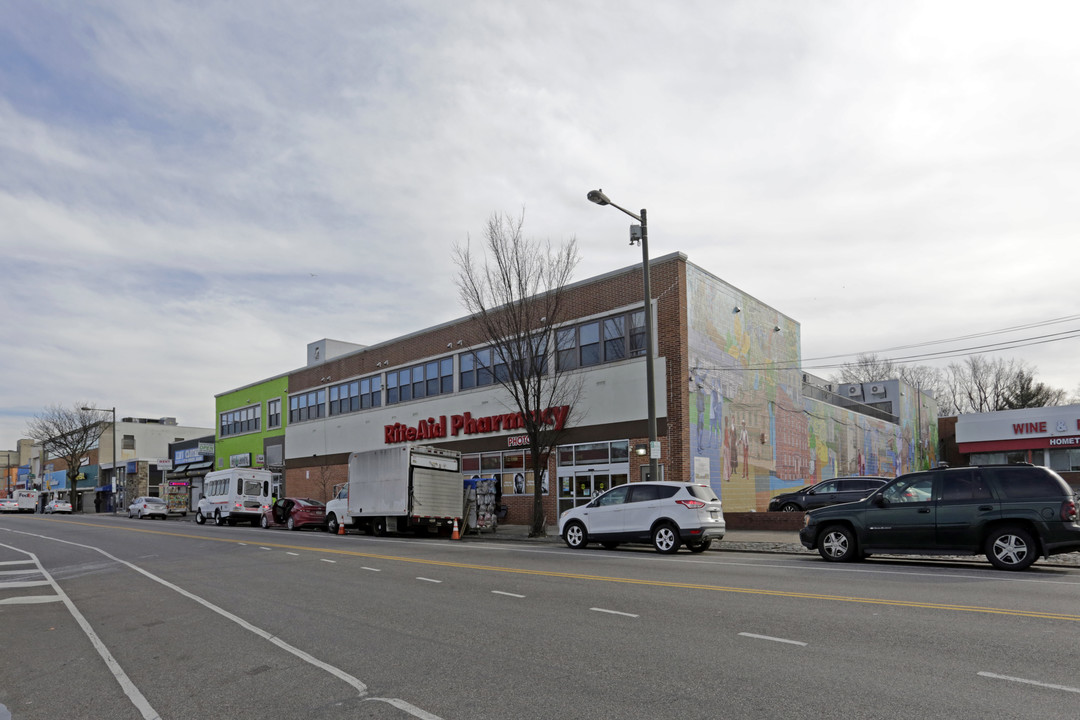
(105, 617)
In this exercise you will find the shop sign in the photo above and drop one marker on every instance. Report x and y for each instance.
(206, 448)
(241, 460)
(1065, 441)
(189, 455)
(517, 441)
(466, 424)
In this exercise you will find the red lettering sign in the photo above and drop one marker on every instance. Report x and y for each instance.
(1027, 428)
(466, 424)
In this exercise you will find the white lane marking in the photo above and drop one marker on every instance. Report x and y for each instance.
(329, 561)
(16, 562)
(370, 569)
(27, 571)
(773, 639)
(614, 612)
(30, 600)
(429, 580)
(500, 592)
(263, 548)
(407, 707)
(326, 667)
(292, 553)
(1050, 686)
(137, 698)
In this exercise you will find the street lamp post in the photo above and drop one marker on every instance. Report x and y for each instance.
(115, 468)
(598, 197)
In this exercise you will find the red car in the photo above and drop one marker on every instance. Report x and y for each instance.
(295, 513)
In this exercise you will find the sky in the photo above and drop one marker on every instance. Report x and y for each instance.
(191, 192)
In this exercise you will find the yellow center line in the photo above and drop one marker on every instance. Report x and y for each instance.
(611, 579)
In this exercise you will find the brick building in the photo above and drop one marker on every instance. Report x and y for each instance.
(730, 402)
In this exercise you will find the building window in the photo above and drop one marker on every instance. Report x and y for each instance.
(475, 368)
(601, 341)
(356, 395)
(238, 422)
(273, 413)
(307, 406)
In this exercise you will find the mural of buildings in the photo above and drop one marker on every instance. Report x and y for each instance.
(756, 431)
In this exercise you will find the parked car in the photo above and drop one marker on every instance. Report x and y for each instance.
(295, 513)
(57, 506)
(1010, 513)
(827, 492)
(9, 505)
(663, 514)
(151, 507)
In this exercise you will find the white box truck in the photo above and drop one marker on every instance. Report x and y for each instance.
(399, 489)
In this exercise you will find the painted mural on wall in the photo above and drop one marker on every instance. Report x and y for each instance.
(752, 432)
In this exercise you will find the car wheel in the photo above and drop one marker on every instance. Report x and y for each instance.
(837, 544)
(1010, 548)
(665, 539)
(291, 524)
(700, 547)
(575, 536)
(378, 527)
(200, 519)
(791, 507)
(217, 519)
(610, 545)
(332, 525)
(265, 523)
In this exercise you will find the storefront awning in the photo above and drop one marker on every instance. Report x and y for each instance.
(179, 469)
(201, 465)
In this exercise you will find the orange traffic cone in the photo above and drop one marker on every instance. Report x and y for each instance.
(341, 528)
(455, 535)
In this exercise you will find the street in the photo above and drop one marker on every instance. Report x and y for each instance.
(103, 616)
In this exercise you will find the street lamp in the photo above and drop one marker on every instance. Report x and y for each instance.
(640, 233)
(115, 469)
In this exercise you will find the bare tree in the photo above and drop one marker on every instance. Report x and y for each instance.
(1027, 393)
(981, 385)
(515, 294)
(67, 434)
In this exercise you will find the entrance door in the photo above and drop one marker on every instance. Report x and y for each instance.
(580, 488)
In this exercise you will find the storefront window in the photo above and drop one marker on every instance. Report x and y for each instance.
(591, 453)
(566, 455)
(1066, 460)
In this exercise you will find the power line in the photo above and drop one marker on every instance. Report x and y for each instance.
(937, 355)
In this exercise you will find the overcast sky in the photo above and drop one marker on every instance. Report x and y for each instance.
(190, 192)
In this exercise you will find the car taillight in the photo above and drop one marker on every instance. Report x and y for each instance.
(692, 504)
(1068, 511)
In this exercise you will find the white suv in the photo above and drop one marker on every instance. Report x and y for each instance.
(664, 514)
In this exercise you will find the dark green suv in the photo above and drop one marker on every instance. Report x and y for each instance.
(1011, 513)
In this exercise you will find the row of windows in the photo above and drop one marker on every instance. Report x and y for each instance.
(356, 395)
(308, 406)
(587, 344)
(427, 380)
(237, 422)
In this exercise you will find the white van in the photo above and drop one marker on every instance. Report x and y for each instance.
(234, 495)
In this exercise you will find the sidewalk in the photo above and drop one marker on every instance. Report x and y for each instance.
(742, 540)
